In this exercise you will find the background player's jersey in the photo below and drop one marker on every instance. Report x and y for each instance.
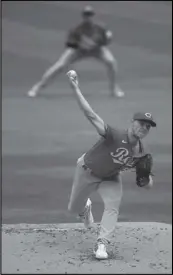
(112, 153)
(95, 32)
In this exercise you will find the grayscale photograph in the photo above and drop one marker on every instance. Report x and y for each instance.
(86, 137)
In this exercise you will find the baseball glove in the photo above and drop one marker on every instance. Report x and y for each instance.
(143, 170)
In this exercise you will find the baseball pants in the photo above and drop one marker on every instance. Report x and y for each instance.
(110, 191)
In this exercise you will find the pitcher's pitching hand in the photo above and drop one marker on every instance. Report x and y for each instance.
(73, 77)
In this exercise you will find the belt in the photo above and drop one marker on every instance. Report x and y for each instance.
(112, 177)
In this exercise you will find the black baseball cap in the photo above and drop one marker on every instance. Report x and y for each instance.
(88, 10)
(145, 117)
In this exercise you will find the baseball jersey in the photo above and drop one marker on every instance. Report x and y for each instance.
(112, 153)
(95, 32)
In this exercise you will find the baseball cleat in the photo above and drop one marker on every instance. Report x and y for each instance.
(87, 216)
(33, 92)
(100, 252)
(119, 93)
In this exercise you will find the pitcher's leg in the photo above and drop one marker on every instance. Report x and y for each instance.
(69, 56)
(111, 194)
(83, 185)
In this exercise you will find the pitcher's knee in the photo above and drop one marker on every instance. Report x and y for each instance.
(112, 210)
(112, 207)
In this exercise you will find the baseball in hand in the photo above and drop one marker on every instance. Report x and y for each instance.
(73, 76)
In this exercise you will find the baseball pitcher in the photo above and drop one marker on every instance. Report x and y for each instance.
(100, 168)
(88, 39)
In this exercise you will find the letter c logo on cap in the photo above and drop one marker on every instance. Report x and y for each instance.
(148, 115)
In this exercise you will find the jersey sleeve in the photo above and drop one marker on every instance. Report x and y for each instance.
(109, 132)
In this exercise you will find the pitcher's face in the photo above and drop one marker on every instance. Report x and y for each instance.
(140, 128)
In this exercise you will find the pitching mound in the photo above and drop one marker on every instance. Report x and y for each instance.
(68, 248)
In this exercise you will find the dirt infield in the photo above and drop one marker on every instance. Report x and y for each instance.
(63, 248)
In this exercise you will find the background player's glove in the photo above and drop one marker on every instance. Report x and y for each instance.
(143, 170)
(109, 36)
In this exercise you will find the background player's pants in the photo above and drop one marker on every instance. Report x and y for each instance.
(71, 55)
(110, 191)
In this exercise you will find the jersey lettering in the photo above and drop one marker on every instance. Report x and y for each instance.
(122, 157)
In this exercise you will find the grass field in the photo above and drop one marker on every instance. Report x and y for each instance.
(42, 138)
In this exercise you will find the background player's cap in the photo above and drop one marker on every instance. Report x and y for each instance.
(88, 10)
(145, 117)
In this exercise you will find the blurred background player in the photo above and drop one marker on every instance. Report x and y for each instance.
(88, 39)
